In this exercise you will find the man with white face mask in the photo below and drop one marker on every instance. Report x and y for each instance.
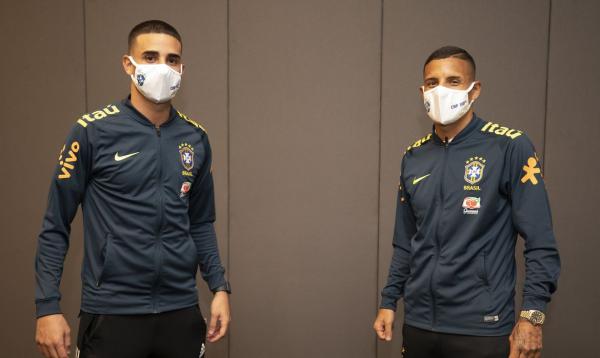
(141, 171)
(466, 190)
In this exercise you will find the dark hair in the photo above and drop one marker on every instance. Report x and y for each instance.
(451, 51)
(152, 27)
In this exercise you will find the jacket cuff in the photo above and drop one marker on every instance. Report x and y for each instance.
(216, 280)
(45, 308)
(389, 303)
(534, 303)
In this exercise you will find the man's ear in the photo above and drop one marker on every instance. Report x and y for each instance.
(128, 67)
(475, 92)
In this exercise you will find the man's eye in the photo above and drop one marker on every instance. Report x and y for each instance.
(149, 58)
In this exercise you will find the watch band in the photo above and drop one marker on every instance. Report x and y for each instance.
(536, 317)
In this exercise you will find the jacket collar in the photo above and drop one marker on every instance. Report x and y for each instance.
(139, 117)
(475, 123)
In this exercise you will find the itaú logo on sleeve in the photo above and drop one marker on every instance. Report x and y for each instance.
(471, 205)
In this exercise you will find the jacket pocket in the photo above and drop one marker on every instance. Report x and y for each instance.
(486, 294)
(482, 270)
(106, 254)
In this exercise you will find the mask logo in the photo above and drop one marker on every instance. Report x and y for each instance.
(427, 106)
(140, 79)
(474, 170)
(186, 152)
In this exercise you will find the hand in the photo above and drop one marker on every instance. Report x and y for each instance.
(53, 336)
(526, 340)
(384, 324)
(219, 317)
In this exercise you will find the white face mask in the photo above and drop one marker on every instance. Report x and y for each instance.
(157, 82)
(445, 105)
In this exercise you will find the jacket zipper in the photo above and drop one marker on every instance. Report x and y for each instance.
(437, 234)
(158, 250)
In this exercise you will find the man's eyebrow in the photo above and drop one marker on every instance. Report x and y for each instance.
(454, 78)
(174, 55)
(150, 52)
(431, 79)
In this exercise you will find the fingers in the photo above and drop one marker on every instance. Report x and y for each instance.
(52, 347)
(212, 325)
(221, 330)
(67, 339)
(53, 336)
(44, 351)
(224, 328)
(61, 351)
(383, 324)
(221, 325)
(52, 353)
(378, 326)
(388, 330)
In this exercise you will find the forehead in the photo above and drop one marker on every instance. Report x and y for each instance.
(161, 43)
(446, 67)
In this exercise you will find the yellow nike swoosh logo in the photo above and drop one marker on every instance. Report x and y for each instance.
(416, 180)
(118, 157)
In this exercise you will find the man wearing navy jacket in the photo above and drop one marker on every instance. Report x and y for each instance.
(141, 171)
(466, 190)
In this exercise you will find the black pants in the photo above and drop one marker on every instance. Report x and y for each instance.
(175, 334)
(419, 343)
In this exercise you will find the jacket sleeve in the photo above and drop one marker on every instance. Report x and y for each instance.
(532, 219)
(404, 230)
(67, 188)
(202, 217)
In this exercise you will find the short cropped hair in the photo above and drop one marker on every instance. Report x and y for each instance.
(152, 27)
(451, 51)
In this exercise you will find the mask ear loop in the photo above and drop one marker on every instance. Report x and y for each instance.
(135, 65)
(469, 90)
(132, 60)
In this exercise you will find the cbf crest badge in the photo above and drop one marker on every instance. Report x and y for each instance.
(186, 152)
(474, 170)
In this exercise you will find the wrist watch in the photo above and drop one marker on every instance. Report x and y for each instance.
(536, 317)
(226, 287)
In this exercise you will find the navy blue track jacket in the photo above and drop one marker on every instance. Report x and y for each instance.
(460, 207)
(148, 211)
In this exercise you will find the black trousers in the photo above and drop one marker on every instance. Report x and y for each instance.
(175, 334)
(419, 343)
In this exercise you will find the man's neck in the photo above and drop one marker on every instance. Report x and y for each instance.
(157, 113)
(451, 130)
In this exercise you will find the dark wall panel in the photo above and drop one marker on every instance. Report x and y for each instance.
(42, 93)
(510, 51)
(304, 82)
(572, 170)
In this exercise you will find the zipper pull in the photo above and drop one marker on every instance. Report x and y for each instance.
(446, 142)
(157, 131)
